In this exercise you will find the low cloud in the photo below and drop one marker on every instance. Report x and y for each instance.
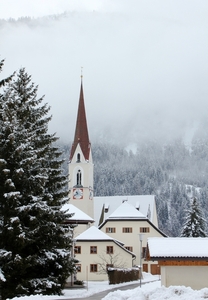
(145, 66)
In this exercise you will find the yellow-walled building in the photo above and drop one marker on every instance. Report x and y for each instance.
(96, 251)
(130, 226)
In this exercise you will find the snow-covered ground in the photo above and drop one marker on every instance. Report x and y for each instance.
(151, 290)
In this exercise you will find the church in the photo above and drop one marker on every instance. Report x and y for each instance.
(111, 230)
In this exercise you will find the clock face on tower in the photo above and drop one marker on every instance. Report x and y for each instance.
(77, 193)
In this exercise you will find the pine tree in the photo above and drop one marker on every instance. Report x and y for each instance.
(194, 225)
(3, 252)
(4, 81)
(34, 244)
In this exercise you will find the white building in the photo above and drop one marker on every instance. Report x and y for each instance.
(81, 165)
(80, 220)
(140, 213)
(96, 251)
(183, 261)
(126, 224)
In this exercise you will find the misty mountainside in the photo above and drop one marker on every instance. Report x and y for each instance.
(173, 172)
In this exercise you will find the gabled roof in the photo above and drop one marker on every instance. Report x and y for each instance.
(126, 211)
(94, 234)
(167, 248)
(81, 131)
(79, 217)
(145, 204)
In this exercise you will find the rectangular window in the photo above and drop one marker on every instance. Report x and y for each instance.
(144, 229)
(130, 248)
(77, 249)
(110, 229)
(93, 268)
(127, 229)
(93, 249)
(109, 249)
(78, 267)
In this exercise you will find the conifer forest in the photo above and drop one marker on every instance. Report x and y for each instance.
(173, 172)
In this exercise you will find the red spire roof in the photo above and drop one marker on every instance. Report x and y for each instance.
(81, 132)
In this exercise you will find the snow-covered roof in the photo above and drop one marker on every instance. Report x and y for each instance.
(178, 247)
(93, 233)
(145, 203)
(126, 211)
(79, 216)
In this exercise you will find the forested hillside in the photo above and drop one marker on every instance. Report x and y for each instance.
(172, 171)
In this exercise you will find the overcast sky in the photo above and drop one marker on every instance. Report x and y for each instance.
(145, 63)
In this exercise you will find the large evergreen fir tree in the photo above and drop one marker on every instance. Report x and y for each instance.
(3, 252)
(194, 225)
(35, 247)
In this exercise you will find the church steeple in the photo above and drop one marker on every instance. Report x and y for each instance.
(81, 163)
(81, 136)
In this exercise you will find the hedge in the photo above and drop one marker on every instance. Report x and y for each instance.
(116, 275)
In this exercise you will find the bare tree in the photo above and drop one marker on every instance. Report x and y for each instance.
(113, 260)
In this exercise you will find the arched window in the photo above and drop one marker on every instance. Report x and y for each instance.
(78, 157)
(79, 178)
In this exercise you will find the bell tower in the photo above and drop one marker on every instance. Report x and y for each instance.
(81, 164)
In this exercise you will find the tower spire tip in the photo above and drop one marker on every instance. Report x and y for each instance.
(81, 73)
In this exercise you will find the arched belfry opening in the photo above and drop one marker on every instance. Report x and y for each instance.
(78, 158)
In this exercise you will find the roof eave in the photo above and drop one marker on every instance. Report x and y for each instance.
(78, 221)
(187, 258)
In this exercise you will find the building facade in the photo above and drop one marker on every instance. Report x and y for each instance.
(96, 251)
(183, 261)
(121, 218)
(129, 225)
